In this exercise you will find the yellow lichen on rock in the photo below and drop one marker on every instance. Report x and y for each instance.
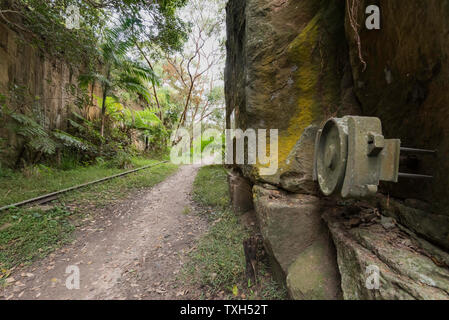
(301, 52)
(292, 75)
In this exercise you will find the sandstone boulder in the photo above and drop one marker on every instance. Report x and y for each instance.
(404, 83)
(314, 274)
(434, 227)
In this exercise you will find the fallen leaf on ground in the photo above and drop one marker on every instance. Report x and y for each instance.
(235, 291)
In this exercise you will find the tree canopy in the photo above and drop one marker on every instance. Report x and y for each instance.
(45, 22)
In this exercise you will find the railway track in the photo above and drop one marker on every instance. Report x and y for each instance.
(54, 195)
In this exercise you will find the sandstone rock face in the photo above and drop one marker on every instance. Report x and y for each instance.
(293, 64)
(284, 68)
(405, 85)
(406, 271)
(299, 177)
(40, 78)
(313, 275)
(297, 240)
(434, 227)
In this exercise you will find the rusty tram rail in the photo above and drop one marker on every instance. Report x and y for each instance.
(54, 195)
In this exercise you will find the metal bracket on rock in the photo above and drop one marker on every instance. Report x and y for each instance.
(352, 156)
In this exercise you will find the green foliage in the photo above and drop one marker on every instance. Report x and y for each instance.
(5, 172)
(103, 50)
(85, 129)
(23, 118)
(35, 137)
(38, 141)
(71, 141)
(68, 162)
(46, 22)
(132, 119)
(120, 71)
(122, 160)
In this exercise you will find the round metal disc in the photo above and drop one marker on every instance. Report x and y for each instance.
(332, 155)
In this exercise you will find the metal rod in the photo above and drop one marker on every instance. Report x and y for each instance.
(50, 195)
(414, 176)
(420, 151)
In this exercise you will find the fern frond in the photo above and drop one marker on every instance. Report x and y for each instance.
(71, 141)
(43, 144)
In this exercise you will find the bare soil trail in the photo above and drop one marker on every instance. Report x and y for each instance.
(133, 250)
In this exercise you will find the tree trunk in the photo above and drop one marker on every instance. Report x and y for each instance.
(250, 248)
(103, 105)
(103, 112)
(161, 114)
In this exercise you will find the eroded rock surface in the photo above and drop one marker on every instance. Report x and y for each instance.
(406, 270)
(299, 176)
(241, 194)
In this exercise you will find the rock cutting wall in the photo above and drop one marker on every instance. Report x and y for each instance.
(44, 77)
(46, 81)
(293, 64)
(49, 82)
(405, 84)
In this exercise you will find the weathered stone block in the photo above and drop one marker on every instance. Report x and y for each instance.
(405, 85)
(241, 193)
(314, 274)
(434, 227)
(296, 239)
(276, 77)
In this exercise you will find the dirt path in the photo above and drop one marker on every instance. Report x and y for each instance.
(134, 250)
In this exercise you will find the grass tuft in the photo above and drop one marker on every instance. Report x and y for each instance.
(211, 188)
(219, 261)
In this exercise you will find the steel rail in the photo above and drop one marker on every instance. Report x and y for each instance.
(417, 151)
(414, 176)
(51, 196)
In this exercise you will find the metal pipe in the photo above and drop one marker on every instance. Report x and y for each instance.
(418, 151)
(414, 176)
(53, 194)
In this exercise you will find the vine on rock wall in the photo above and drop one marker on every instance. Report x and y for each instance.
(353, 8)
